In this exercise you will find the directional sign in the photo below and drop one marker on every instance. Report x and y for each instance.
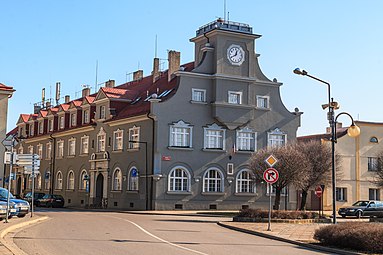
(318, 191)
(7, 142)
(271, 160)
(270, 175)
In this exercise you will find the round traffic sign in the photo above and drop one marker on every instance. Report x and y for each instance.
(270, 175)
(318, 191)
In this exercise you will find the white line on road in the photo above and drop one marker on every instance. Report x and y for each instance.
(158, 238)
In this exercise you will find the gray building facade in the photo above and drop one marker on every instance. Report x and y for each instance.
(177, 139)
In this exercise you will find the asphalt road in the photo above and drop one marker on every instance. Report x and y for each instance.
(99, 233)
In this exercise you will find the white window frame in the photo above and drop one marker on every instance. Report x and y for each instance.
(39, 150)
(62, 121)
(246, 140)
(30, 149)
(276, 138)
(102, 112)
(84, 145)
(73, 119)
(134, 135)
(372, 164)
(72, 146)
(214, 137)
(198, 95)
(181, 135)
(41, 127)
(179, 183)
(31, 129)
(60, 149)
(50, 124)
(375, 194)
(273, 190)
(101, 141)
(133, 181)
(263, 102)
(86, 116)
(117, 179)
(48, 150)
(82, 181)
(71, 180)
(341, 194)
(245, 185)
(234, 97)
(38, 181)
(216, 181)
(118, 140)
(59, 181)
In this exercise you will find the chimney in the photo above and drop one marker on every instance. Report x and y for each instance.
(109, 84)
(174, 58)
(36, 109)
(156, 69)
(67, 99)
(85, 92)
(138, 75)
(48, 105)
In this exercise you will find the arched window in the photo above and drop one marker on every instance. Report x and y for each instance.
(84, 178)
(374, 139)
(38, 181)
(133, 179)
(70, 181)
(117, 178)
(213, 180)
(59, 181)
(179, 179)
(245, 183)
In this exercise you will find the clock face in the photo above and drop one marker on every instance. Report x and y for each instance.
(235, 54)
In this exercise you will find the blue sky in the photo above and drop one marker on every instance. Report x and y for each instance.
(43, 42)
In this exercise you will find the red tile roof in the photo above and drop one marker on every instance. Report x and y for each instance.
(6, 88)
(65, 106)
(317, 137)
(76, 102)
(25, 117)
(43, 113)
(13, 131)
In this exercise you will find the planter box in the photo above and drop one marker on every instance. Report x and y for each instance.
(292, 221)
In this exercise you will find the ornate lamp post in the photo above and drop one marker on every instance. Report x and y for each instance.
(353, 131)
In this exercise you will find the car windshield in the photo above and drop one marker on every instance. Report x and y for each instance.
(4, 194)
(361, 203)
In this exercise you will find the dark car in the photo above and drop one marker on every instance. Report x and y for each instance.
(50, 200)
(372, 208)
(21, 205)
(36, 195)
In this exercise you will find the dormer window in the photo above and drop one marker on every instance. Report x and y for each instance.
(41, 127)
(31, 129)
(62, 122)
(50, 125)
(374, 139)
(102, 112)
(234, 97)
(73, 119)
(85, 119)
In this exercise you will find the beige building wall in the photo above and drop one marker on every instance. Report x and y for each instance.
(354, 174)
(5, 94)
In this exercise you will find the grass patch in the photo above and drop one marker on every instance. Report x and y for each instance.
(280, 214)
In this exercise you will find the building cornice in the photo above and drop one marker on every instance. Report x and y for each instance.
(127, 120)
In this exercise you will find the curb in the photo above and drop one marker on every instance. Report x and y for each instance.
(9, 244)
(277, 238)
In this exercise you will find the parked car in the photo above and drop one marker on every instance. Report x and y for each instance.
(51, 200)
(372, 208)
(36, 195)
(20, 205)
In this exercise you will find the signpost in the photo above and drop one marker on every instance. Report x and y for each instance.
(319, 194)
(270, 176)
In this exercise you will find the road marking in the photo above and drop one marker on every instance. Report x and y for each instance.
(158, 238)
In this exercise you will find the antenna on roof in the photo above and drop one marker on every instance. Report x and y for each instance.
(95, 84)
(43, 97)
(224, 9)
(58, 93)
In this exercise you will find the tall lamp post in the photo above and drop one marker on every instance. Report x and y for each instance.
(146, 172)
(353, 131)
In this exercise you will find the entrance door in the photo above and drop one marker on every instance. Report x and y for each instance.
(99, 190)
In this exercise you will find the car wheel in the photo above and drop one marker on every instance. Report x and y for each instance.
(50, 205)
(21, 215)
(358, 214)
(343, 216)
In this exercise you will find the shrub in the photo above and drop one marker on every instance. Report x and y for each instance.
(280, 214)
(357, 236)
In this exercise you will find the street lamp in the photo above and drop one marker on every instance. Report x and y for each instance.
(146, 173)
(353, 131)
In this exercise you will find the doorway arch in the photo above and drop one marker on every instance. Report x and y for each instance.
(99, 190)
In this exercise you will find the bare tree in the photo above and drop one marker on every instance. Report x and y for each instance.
(318, 170)
(290, 164)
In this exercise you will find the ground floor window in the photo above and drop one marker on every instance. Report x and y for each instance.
(341, 194)
(373, 194)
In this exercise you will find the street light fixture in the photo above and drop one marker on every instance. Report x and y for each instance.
(353, 131)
